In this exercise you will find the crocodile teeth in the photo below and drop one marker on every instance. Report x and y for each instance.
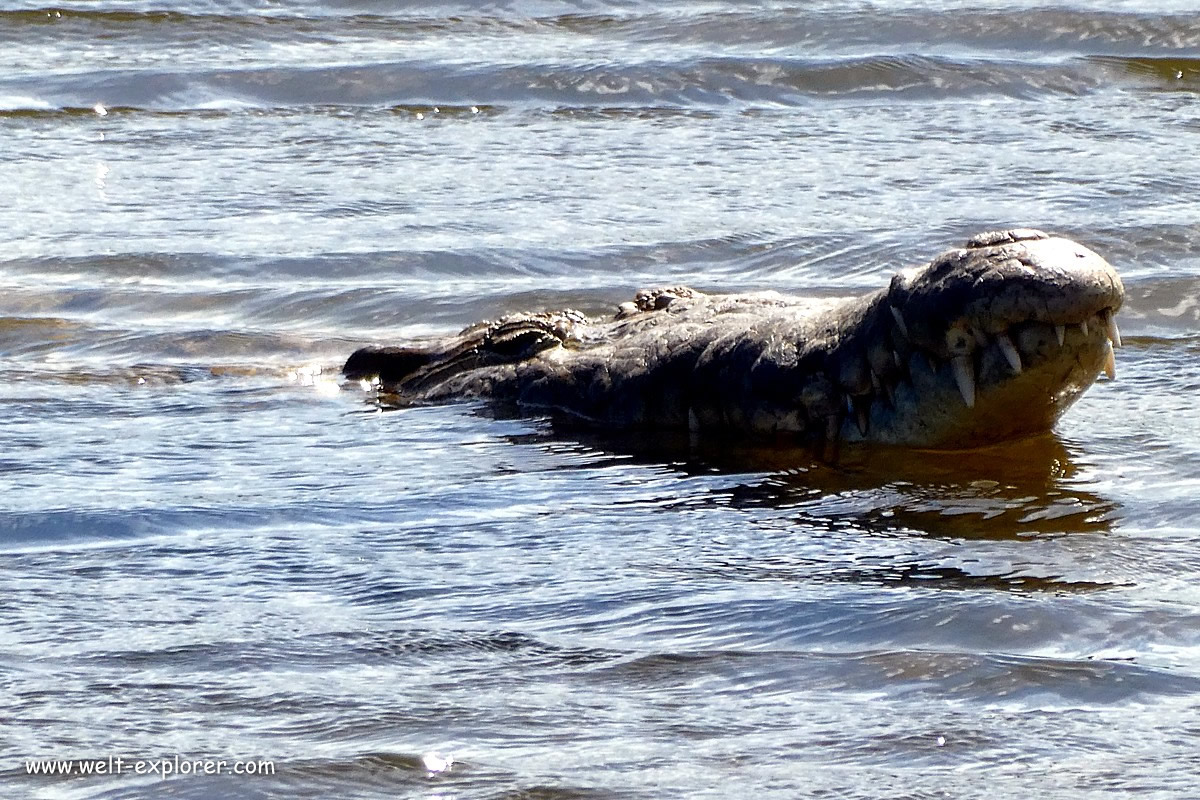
(1083, 327)
(1010, 352)
(1110, 363)
(899, 321)
(1110, 325)
(964, 376)
(1061, 332)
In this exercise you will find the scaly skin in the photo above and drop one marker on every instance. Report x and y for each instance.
(986, 343)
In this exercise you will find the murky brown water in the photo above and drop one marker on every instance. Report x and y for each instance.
(208, 549)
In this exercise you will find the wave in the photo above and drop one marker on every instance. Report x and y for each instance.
(545, 56)
(828, 29)
(425, 88)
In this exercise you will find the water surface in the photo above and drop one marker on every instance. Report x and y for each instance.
(210, 548)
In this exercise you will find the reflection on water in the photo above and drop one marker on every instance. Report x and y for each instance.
(1019, 489)
(1170, 74)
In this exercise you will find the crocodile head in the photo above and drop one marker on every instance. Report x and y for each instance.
(990, 342)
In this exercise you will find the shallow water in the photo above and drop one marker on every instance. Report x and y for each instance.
(211, 549)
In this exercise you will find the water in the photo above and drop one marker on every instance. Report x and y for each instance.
(212, 550)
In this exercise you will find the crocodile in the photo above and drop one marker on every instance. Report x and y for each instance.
(986, 343)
